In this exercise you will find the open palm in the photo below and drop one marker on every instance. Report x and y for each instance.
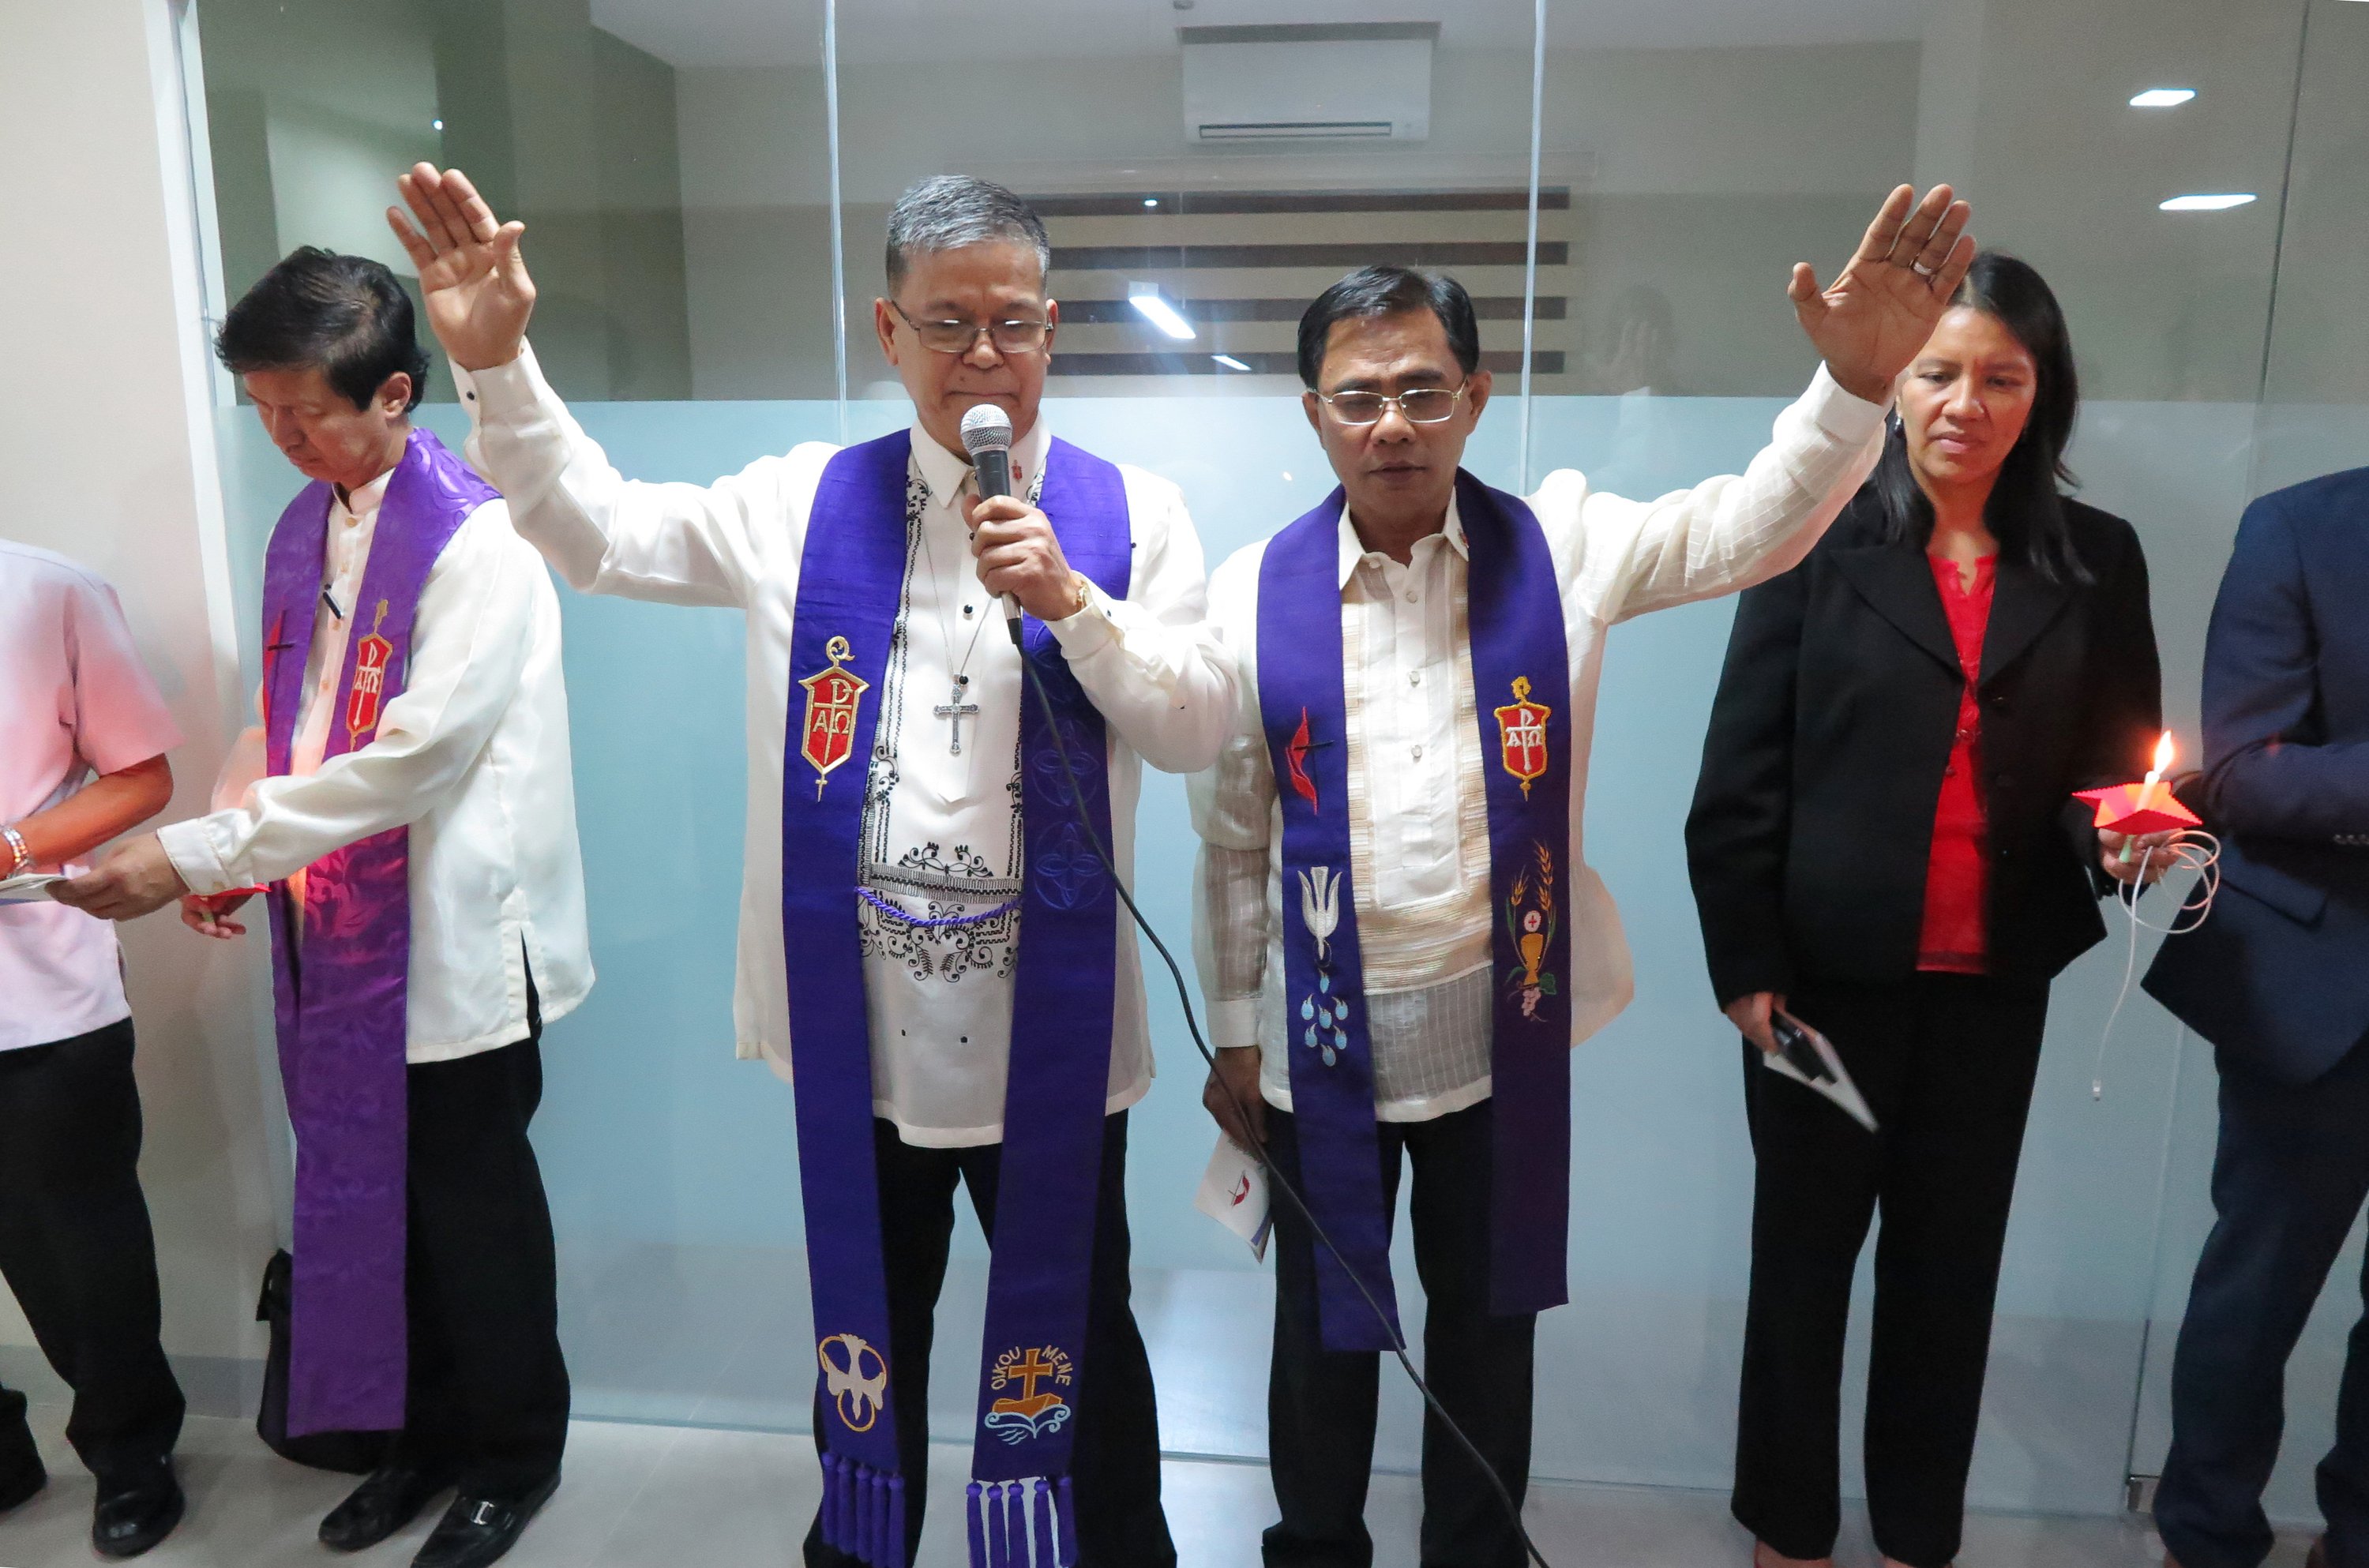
(479, 296)
(1870, 321)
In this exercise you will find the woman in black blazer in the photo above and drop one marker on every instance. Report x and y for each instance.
(1883, 845)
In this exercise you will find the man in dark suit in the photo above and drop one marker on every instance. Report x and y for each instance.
(2277, 979)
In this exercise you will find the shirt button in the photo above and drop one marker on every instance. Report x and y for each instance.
(1418, 754)
(1414, 678)
(1410, 597)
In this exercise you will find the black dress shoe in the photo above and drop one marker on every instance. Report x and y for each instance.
(475, 1531)
(136, 1511)
(21, 1472)
(389, 1498)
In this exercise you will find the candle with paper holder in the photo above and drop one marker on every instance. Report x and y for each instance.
(2148, 807)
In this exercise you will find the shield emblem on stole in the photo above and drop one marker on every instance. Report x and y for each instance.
(833, 696)
(371, 656)
(1522, 735)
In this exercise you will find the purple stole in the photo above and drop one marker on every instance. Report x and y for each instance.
(1518, 649)
(851, 581)
(338, 994)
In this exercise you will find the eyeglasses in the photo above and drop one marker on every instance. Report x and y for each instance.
(1423, 406)
(961, 336)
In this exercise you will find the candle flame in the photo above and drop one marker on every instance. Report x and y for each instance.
(2163, 752)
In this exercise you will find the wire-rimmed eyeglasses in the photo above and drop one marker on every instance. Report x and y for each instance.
(1418, 405)
(1020, 337)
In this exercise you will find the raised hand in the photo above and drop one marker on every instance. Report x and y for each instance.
(1872, 320)
(479, 293)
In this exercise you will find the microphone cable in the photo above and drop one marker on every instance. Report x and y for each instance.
(1275, 1176)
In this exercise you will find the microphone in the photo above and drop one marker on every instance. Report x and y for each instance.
(986, 436)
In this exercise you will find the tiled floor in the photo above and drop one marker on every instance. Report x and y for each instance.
(689, 1497)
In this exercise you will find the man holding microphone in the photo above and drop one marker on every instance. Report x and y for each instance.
(947, 971)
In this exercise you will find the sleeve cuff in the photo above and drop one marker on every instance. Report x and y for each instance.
(1088, 631)
(499, 391)
(190, 847)
(1234, 1023)
(1842, 415)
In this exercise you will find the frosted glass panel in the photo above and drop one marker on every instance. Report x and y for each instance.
(672, 1169)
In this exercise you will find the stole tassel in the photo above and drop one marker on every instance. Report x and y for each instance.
(1046, 1546)
(999, 1540)
(1016, 1521)
(1021, 1523)
(834, 1503)
(864, 1512)
(1066, 1510)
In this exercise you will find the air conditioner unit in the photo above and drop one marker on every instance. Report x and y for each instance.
(1306, 82)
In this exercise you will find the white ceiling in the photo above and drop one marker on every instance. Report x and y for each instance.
(939, 35)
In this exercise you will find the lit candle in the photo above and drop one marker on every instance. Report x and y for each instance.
(2163, 754)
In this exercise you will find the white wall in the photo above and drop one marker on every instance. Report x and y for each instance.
(107, 420)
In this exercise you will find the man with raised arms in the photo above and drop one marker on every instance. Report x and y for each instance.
(945, 965)
(1399, 937)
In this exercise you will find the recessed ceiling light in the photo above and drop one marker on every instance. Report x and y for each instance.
(2163, 98)
(2208, 203)
(435, 125)
(1151, 201)
(1145, 298)
(1231, 362)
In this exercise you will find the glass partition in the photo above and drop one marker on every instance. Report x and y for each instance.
(2313, 419)
(1205, 168)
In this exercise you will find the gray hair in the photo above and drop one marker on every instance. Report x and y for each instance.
(947, 212)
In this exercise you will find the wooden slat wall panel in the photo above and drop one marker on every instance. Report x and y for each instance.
(1244, 265)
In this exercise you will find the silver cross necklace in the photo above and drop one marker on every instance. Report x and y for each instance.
(954, 709)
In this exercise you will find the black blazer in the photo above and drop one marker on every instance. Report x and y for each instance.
(2277, 976)
(1812, 819)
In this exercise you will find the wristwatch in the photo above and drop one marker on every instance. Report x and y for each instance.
(20, 852)
(1085, 592)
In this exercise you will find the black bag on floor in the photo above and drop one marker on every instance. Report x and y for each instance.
(355, 1453)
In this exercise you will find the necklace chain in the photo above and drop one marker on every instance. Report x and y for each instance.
(945, 615)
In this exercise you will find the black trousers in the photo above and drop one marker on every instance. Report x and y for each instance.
(1946, 1063)
(1116, 1460)
(2288, 1180)
(76, 1246)
(488, 1390)
(1322, 1403)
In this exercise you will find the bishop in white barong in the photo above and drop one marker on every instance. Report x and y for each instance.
(1419, 659)
(928, 934)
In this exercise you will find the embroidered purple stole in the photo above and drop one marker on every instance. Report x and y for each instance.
(1519, 655)
(338, 993)
(851, 581)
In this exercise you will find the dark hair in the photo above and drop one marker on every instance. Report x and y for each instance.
(346, 315)
(947, 212)
(1372, 291)
(2026, 511)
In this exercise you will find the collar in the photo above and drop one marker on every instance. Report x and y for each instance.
(362, 503)
(947, 476)
(1355, 554)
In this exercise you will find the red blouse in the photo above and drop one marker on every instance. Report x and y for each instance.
(1957, 878)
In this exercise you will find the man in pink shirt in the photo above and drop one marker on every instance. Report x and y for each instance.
(83, 737)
